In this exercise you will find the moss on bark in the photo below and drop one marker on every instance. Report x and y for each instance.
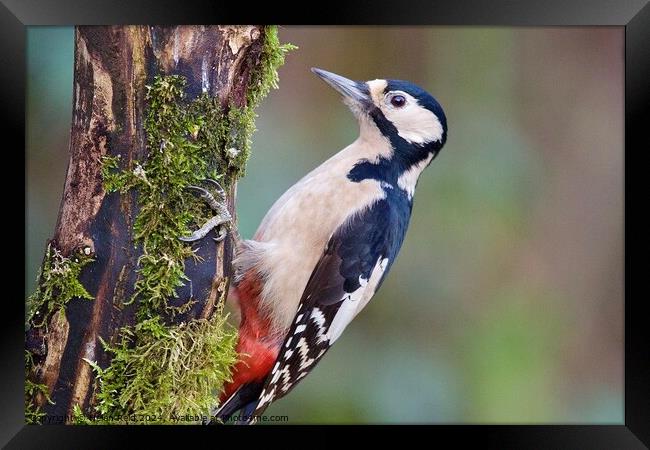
(161, 371)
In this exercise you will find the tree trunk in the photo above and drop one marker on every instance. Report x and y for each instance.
(112, 67)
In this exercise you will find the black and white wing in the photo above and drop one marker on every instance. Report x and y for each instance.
(353, 265)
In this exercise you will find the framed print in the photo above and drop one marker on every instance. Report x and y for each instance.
(441, 190)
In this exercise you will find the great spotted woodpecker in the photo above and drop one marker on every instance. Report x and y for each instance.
(325, 247)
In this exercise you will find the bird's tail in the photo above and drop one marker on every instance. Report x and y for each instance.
(245, 399)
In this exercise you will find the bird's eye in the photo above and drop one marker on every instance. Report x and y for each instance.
(398, 101)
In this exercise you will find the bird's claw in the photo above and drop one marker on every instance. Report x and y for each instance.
(221, 234)
(208, 197)
(222, 217)
(217, 187)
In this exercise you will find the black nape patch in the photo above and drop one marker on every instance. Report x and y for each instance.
(405, 154)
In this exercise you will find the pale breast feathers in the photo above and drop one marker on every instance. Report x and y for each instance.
(293, 234)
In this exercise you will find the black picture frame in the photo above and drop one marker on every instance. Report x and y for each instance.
(634, 15)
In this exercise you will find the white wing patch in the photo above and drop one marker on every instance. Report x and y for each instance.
(354, 302)
(300, 355)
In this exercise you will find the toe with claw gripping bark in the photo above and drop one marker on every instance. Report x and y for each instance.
(221, 218)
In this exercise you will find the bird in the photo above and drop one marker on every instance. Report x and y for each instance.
(326, 245)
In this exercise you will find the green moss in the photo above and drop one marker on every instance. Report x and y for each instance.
(114, 180)
(79, 418)
(266, 76)
(33, 413)
(186, 142)
(58, 284)
(262, 81)
(160, 372)
(156, 369)
(182, 150)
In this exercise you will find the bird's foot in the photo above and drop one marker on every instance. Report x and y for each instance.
(221, 218)
(215, 222)
(208, 197)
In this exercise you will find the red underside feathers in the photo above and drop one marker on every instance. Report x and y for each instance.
(256, 355)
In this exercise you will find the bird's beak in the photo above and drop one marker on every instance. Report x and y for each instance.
(351, 90)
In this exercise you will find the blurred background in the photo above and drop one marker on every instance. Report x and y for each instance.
(505, 304)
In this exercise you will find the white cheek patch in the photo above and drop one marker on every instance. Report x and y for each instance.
(414, 123)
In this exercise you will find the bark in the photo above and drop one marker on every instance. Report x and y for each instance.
(112, 65)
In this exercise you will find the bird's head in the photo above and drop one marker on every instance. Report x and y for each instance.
(404, 113)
